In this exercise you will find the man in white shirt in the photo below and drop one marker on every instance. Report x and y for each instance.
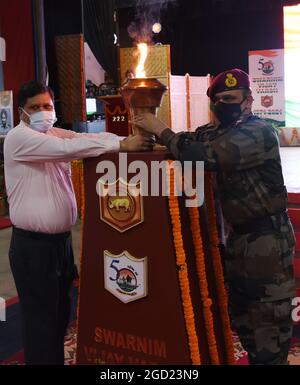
(43, 210)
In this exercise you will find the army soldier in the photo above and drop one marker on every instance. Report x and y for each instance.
(243, 150)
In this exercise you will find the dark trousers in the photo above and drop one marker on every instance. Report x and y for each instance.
(260, 275)
(43, 270)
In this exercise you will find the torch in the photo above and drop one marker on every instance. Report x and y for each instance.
(142, 94)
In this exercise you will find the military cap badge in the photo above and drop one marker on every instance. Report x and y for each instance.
(230, 80)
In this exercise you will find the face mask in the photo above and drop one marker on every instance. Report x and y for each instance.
(227, 113)
(41, 121)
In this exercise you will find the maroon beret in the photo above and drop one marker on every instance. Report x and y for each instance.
(234, 79)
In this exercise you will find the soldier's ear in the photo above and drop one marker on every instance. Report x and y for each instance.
(249, 100)
(212, 106)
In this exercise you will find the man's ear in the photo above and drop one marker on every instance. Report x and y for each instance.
(22, 116)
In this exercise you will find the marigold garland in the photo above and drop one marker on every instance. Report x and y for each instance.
(82, 196)
(78, 184)
(218, 268)
(183, 272)
(204, 293)
(78, 178)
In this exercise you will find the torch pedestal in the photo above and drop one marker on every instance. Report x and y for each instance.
(116, 115)
(131, 309)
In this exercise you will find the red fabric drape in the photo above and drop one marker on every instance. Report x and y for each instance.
(16, 28)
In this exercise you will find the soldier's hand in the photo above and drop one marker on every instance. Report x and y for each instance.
(137, 143)
(150, 123)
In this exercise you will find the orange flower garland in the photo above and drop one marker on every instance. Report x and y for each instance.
(82, 196)
(183, 272)
(206, 300)
(79, 188)
(78, 184)
(218, 268)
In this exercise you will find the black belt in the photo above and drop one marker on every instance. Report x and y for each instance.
(261, 224)
(42, 236)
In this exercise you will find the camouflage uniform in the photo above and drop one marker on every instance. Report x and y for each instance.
(260, 247)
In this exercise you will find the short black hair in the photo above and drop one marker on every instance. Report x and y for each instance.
(31, 89)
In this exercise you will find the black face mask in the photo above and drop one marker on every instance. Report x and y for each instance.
(227, 113)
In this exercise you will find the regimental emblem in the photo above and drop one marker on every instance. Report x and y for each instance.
(121, 205)
(125, 276)
(267, 67)
(230, 81)
(267, 101)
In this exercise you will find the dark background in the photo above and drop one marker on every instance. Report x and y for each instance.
(206, 36)
(61, 18)
(211, 36)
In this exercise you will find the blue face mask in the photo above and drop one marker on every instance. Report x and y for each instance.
(41, 121)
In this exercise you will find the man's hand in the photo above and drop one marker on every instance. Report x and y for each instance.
(137, 143)
(149, 123)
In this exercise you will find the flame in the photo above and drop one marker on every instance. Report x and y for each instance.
(143, 51)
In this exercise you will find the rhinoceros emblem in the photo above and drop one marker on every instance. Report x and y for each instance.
(119, 203)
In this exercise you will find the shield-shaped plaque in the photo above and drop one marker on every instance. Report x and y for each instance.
(125, 276)
(267, 101)
(121, 205)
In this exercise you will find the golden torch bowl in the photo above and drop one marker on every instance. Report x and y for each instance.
(142, 95)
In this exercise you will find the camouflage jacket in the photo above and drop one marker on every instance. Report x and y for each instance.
(245, 156)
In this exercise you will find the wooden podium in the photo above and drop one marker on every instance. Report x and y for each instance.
(130, 303)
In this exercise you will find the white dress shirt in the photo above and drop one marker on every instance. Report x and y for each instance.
(38, 174)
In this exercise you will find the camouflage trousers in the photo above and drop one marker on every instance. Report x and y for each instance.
(259, 269)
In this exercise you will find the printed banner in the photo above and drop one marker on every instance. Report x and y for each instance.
(266, 70)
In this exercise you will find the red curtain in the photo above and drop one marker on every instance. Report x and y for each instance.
(17, 29)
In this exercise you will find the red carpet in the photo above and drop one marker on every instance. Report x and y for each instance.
(70, 349)
(294, 213)
(4, 222)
